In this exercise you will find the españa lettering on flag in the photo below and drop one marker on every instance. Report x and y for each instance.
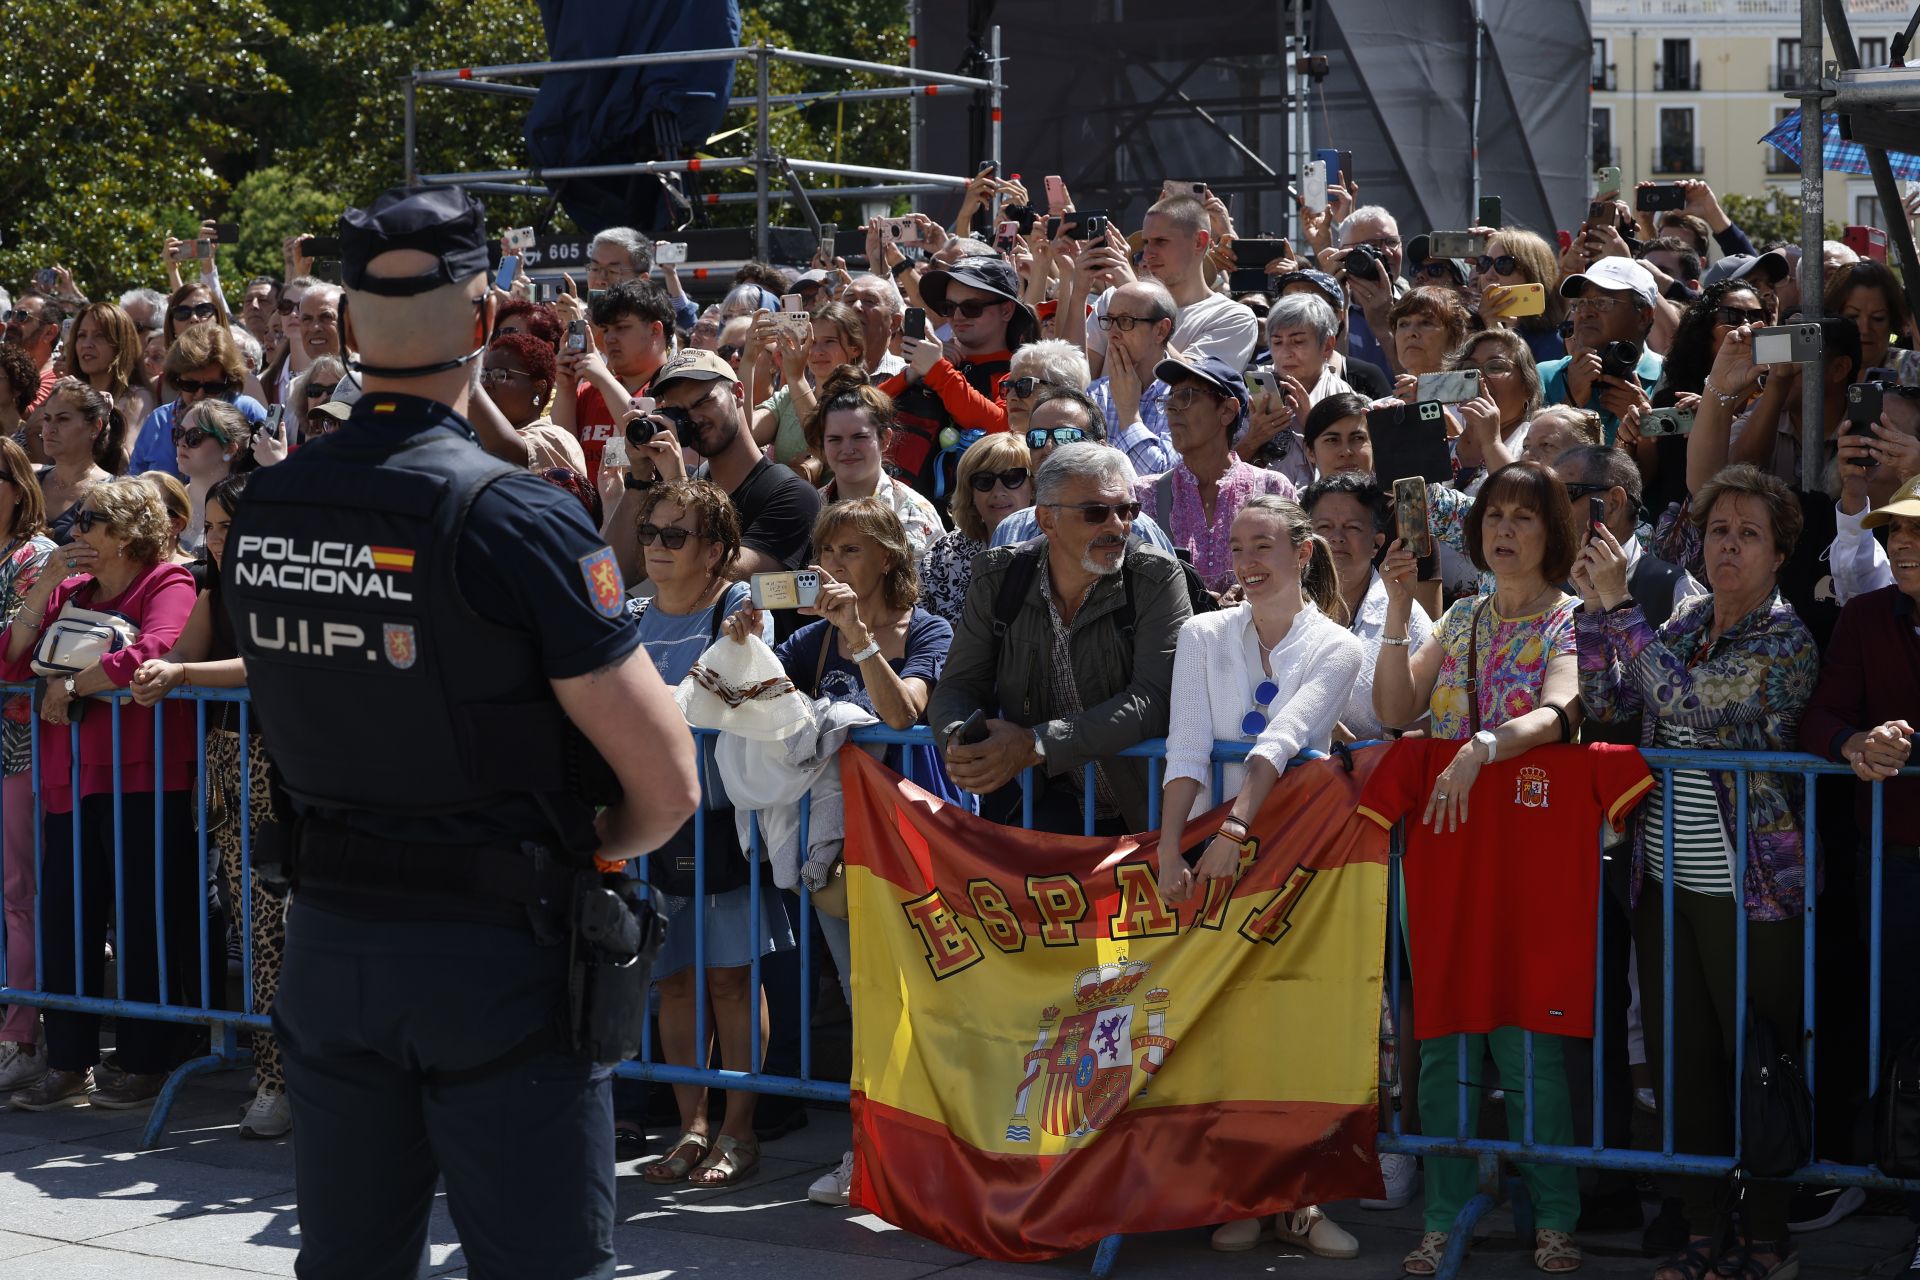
(1046, 1053)
(393, 559)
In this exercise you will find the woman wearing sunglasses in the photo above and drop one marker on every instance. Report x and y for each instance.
(1516, 257)
(1275, 672)
(203, 364)
(314, 388)
(1049, 362)
(689, 537)
(994, 481)
(81, 432)
(107, 355)
(852, 429)
(211, 441)
(192, 304)
(113, 564)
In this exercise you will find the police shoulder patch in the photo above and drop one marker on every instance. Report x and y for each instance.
(605, 590)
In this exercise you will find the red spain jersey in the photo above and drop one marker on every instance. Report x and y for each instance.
(1500, 914)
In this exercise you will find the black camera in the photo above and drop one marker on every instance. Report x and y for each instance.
(670, 417)
(1620, 359)
(1022, 214)
(1363, 262)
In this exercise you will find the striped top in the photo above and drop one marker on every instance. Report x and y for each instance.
(1702, 854)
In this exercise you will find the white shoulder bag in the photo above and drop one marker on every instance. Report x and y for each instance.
(80, 637)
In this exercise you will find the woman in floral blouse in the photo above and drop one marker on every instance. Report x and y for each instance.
(1730, 671)
(22, 1060)
(995, 480)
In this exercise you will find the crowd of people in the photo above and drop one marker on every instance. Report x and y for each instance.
(1063, 494)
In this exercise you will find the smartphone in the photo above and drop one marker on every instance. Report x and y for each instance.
(974, 730)
(517, 239)
(1868, 242)
(1517, 300)
(666, 251)
(1455, 244)
(276, 421)
(1606, 183)
(1667, 422)
(792, 316)
(1006, 236)
(827, 233)
(1657, 197)
(1411, 440)
(913, 323)
(1596, 514)
(321, 246)
(1565, 239)
(509, 268)
(576, 335)
(902, 231)
(1056, 194)
(226, 232)
(1490, 211)
(1786, 344)
(1053, 228)
(1314, 186)
(66, 331)
(795, 589)
(1600, 214)
(1265, 379)
(46, 279)
(1410, 515)
(1453, 386)
(1172, 187)
(1864, 403)
(1258, 253)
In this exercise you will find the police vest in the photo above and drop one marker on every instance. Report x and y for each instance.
(379, 688)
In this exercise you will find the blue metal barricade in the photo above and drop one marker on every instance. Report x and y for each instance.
(225, 1025)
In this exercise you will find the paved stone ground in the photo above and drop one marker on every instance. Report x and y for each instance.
(79, 1201)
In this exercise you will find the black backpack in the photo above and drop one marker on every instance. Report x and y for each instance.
(1026, 563)
(1896, 1138)
(1776, 1112)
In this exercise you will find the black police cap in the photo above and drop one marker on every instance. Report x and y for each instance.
(443, 221)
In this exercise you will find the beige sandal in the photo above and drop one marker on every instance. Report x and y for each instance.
(1555, 1253)
(1425, 1260)
(730, 1162)
(674, 1167)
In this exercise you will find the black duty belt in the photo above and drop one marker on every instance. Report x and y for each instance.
(333, 861)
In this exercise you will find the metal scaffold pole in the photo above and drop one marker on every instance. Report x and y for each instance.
(763, 154)
(1813, 208)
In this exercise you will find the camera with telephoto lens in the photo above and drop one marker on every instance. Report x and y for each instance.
(1620, 359)
(1363, 262)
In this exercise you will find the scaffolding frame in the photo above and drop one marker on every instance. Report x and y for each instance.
(765, 164)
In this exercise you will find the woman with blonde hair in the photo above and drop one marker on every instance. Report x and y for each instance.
(836, 337)
(995, 480)
(179, 504)
(1515, 257)
(852, 429)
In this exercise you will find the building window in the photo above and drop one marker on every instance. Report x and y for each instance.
(1873, 51)
(1676, 152)
(1777, 160)
(1602, 69)
(1786, 64)
(1604, 152)
(1866, 211)
(1677, 72)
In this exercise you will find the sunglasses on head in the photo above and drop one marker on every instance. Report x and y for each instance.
(194, 437)
(194, 311)
(671, 538)
(1101, 512)
(1503, 265)
(86, 518)
(1742, 315)
(193, 386)
(1011, 478)
(972, 308)
(1025, 387)
(1041, 437)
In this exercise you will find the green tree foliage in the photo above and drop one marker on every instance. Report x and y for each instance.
(272, 204)
(1776, 216)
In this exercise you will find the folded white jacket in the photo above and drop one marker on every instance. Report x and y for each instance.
(768, 780)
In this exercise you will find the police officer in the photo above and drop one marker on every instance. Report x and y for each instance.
(424, 627)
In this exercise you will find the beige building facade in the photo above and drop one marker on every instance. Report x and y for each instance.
(1686, 88)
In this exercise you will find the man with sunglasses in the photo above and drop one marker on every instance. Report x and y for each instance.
(409, 609)
(958, 386)
(34, 326)
(1440, 273)
(1077, 667)
(1063, 416)
(1595, 471)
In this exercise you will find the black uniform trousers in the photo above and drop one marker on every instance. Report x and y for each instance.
(369, 1011)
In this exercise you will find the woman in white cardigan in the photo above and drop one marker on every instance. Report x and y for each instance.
(1274, 671)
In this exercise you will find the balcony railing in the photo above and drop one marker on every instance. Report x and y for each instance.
(1684, 78)
(1679, 160)
(1603, 79)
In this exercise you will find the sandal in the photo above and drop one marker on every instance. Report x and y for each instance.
(674, 1167)
(1555, 1253)
(1425, 1260)
(730, 1162)
(1694, 1262)
(1740, 1264)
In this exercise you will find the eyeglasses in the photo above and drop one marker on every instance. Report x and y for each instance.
(1503, 265)
(670, 537)
(1498, 368)
(194, 387)
(1378, 242)
(1255, 721)
(1011, 478)
(972, 308)
(488, 377)
(194, 311)
(194, 437)
(1124, 323)
(1188, 396)
(1576, 491)
(1100, 512)
(85, 518)
(322, 424)
(1024, 387)
(1602, 305)
(1741, 315)
(1434, 271)
(1042, 437)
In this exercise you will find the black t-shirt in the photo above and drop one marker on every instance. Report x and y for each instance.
(777, 509)
(1370, 380)
(1806, 579)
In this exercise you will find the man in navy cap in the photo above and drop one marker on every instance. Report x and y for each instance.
(428, 631)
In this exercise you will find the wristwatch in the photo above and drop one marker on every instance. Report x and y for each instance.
(1039, 746)
(1486, 739)
(67, 684)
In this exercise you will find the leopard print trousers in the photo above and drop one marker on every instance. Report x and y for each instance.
(268, 909)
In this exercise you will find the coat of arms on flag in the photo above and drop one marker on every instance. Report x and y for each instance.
(1088, 1060)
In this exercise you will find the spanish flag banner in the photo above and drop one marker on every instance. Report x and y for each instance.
(1045, 1053)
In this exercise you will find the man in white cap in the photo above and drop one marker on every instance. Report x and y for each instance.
(1614, 302)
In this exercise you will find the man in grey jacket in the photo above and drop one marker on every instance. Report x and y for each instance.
(1082, 669)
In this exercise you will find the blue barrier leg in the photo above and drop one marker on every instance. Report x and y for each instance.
(157, 1118)
(1461, 1237)
(1105, 1256)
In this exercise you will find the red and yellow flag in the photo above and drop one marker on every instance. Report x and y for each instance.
(1045, 1053)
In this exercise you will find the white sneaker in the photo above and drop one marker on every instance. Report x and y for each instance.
(270, 1116)
(1312, 1230)
(21, 1065)
(1400, 1173)
(831, 1188)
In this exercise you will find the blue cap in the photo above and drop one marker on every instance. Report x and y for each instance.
(1211, 370)
(1329, 287)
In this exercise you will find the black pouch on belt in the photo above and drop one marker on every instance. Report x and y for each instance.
(614, 941)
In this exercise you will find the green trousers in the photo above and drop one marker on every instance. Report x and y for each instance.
(1453, 1180)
